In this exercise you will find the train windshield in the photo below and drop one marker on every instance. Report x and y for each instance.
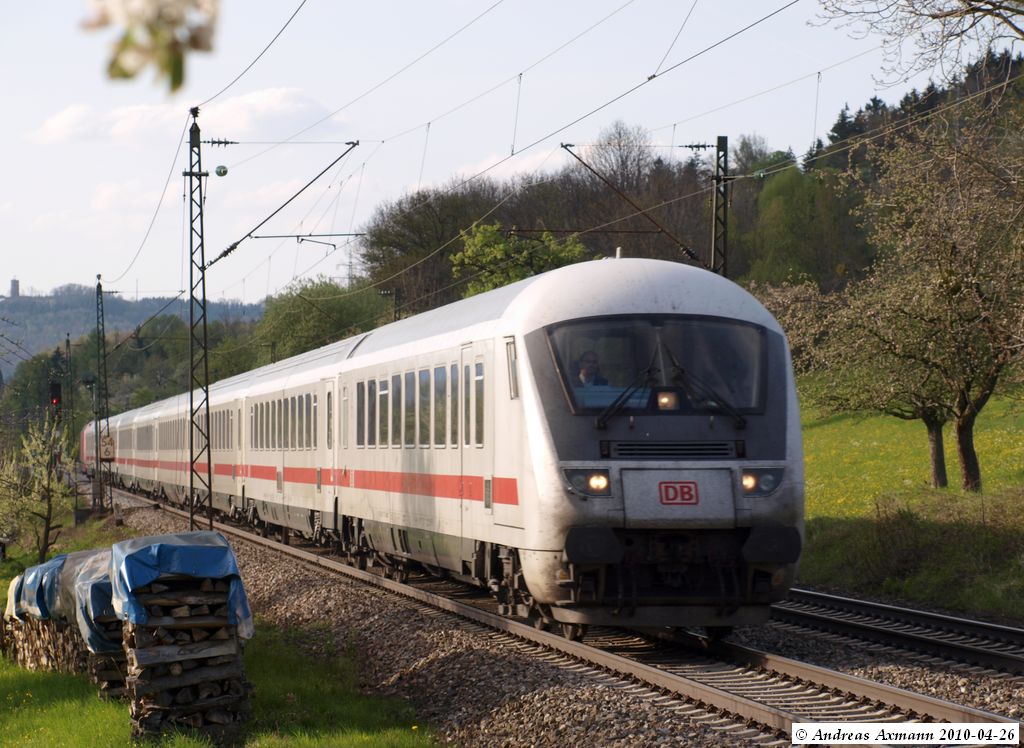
(661, 364)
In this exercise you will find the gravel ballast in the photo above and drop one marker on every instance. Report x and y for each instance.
(471, 687)
(476, 689)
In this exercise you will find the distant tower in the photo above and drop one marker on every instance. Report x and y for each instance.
(15, 288)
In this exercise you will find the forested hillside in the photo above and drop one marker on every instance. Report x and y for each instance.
(36, 324)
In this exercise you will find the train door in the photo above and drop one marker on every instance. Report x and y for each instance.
(325, 465)
(477, 439)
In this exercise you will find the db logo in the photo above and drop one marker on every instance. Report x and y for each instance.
(678, 493)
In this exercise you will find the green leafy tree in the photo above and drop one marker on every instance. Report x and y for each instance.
(944, 301)
(314, 313)
(408, 243)
(33, 498)
(492, 258)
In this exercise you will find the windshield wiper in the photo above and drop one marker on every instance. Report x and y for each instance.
(701, 393)
(705, 396)
(646, 376)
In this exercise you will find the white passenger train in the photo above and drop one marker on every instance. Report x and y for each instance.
(614, 442)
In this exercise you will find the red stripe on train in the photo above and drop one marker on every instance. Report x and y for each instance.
(467, 487)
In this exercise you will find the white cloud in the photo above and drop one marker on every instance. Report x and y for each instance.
(269, 113)
(122, 197)
(532, 164)
(70, 122)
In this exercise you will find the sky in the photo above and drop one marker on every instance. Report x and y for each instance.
(432, 91)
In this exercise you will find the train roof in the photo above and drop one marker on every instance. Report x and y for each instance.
(587, 289)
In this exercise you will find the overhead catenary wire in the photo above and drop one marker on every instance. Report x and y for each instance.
(181, 139)
(579, 119)
(542, 59)
(766, 91)
(148, 320)
(159, 203)
(678, 33)
(378, 85)
(257, 58)
(234, 245)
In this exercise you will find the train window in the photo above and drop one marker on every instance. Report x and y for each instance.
(513, 368)
(266, 425)
(478, 401)
(371, 413)
(260, 413)
(424, 406)
(274, 422)
(293, 433)
(252, 427)
(440, 405)
(713, 364)
(285, 424)
(396, 410)
(309, 422)
(410, 409)
(467, 409)
(360, 414)
(384, 416)
(454, 420)
(344, 417)
(313, 422)
(330, 421)
(282, 422)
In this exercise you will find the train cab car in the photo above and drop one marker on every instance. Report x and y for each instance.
(614, 442)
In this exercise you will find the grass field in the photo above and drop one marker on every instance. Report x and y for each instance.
(874, 526)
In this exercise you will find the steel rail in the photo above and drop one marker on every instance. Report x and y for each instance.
(977, 642)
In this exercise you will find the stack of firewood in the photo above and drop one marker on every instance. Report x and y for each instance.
(108, 669)
(185, 668)
(47, 645)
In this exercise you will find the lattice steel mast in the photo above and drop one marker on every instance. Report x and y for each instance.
(720, 210)
(200, 482)
(102, 430)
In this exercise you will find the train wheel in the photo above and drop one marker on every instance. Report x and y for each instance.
(574, 632)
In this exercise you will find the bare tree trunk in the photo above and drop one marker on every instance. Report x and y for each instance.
(940, 478)
(970, 469)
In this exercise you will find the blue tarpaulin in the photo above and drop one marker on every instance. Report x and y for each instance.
(93, 600)
(39, 587)
(137, 562)
(63, 606)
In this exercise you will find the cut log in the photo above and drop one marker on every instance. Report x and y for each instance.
(139, 658)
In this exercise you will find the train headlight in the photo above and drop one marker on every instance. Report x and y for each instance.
(667, 400)
(589, 482)
(760, 481)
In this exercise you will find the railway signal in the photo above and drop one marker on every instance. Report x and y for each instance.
(55, 396)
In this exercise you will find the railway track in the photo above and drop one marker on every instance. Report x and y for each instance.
(725, 682)
(988, 645)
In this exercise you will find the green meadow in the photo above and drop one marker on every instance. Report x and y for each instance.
(876, 527)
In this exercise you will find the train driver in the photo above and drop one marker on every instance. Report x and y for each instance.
(589, 371)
